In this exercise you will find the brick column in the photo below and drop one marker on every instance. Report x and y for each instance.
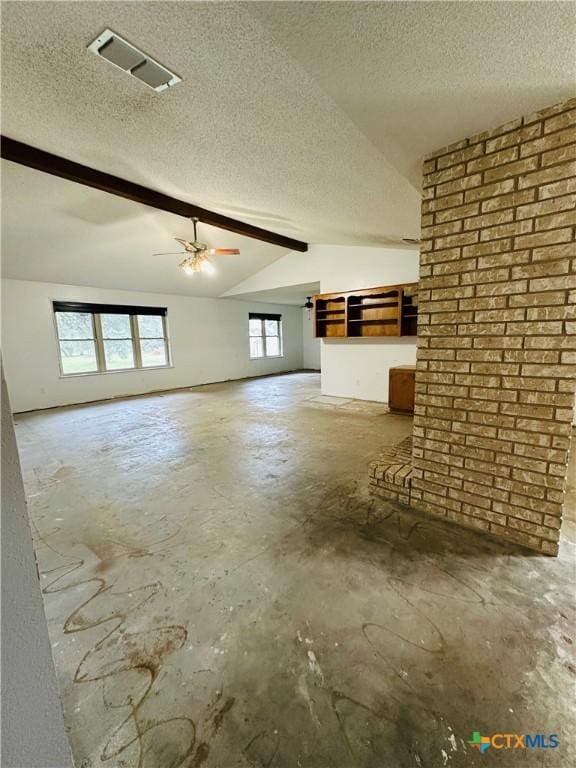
(496, 335)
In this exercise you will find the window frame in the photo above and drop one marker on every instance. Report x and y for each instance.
(95, 311)
(263, 317)
(59, 346)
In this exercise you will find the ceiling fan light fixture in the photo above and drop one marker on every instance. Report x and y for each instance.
(187, 267)
(196, 255)
(207, 267)
(195, 264)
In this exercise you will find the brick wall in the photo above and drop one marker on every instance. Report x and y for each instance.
(497, 329)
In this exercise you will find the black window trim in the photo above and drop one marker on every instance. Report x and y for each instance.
(263, 316)
(107, 309)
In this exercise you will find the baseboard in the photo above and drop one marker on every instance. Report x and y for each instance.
(160, 391)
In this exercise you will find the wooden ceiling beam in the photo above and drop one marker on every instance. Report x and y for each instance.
(31, 157)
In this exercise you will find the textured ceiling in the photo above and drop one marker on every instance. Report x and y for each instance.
(60, 232)
(247, 132)
(290, 294)
(415, 76)
(308, 118)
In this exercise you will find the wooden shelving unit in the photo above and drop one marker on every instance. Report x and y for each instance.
(409, 310)
(384, 311)
(330, 315)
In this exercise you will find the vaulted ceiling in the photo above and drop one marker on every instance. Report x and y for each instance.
(60, 232)
(307, 118)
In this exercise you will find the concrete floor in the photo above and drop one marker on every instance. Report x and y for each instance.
(221, 592)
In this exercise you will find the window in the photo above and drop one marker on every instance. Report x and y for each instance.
(95, 338)
(265, 332)
(117, 341)
(77, 341)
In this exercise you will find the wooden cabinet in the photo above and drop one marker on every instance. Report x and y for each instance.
(330, 315)
(401, 388)
(386, 311)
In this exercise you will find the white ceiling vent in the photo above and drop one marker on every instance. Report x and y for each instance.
(125, 56)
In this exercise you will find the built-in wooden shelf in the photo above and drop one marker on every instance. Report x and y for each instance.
(330, 316)
(371, 320)
(372, 306)
(385, 311)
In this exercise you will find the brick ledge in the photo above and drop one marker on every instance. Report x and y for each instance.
(390, 476)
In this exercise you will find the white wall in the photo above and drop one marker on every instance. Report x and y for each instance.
(355, 368)
(310, 344)
(360, 368)
(209, 342)
(33, 732)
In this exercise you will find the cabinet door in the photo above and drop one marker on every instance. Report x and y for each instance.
(401, 394)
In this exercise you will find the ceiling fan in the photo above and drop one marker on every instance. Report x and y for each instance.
(308, 304)
(197, 253)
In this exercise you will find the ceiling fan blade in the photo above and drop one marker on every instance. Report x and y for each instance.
(172, 253)
(191, 245)
(222, 252)
(187, 245)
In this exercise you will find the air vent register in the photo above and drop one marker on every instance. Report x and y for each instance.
(131, 60)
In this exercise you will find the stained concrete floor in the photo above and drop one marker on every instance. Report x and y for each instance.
(221, 592)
